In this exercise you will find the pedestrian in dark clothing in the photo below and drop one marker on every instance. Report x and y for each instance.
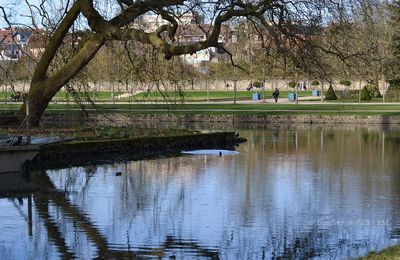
(275, 94)
(249, 87)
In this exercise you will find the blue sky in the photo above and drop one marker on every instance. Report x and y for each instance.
(16, 9)
(19, 11)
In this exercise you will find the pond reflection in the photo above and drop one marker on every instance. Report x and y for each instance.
(299, 194)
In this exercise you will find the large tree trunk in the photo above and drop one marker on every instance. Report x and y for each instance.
(38, 99)
(45, 84)
(44, 88)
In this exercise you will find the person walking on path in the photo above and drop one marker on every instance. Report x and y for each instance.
(275, 94)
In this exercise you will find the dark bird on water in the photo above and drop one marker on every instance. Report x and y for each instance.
(220, 154)
(118, 173)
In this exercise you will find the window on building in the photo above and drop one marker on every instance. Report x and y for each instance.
(234, 38)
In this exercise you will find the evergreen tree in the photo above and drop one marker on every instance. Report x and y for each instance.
(365, 95)
(330, 94)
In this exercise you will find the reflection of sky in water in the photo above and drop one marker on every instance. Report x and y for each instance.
(296, 195)
(211, 152)
(15, 243)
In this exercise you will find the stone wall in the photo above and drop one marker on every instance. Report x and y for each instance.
(125, 119)
(193, 121)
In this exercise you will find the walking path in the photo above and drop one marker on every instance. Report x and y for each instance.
(126, 95)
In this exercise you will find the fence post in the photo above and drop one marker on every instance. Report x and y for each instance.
(27, 118)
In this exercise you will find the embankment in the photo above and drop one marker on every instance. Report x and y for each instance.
(81, 153)
(123, 119)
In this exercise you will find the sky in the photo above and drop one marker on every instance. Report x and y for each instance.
(16, 9)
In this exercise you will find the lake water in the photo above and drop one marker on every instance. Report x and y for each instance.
(306, 193)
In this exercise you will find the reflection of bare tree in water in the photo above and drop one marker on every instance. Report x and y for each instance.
(137, 192)
(302, 247)
(289, 247)
(138, 189)
(42, 206)
(393, 150)
(104, 250)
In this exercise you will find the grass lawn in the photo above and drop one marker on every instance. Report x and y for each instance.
(190, 95)
(187, 95)
(169, 95)
(247, 107)
(3, 95)
(218, 106)
(373, 100)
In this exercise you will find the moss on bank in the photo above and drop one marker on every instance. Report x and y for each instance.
(98, 133)
(389, 253)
